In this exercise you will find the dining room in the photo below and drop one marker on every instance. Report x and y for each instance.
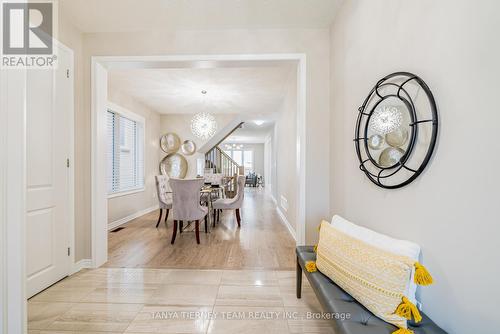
(177, 196)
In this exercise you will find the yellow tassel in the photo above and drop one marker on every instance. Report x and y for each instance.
(315, 249)
(311, 266)
(319, 227)
(403, 331)
(407, 310)
(422, 276)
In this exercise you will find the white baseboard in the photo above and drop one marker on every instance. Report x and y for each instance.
(287, 223)
(128, 218)
(82, 264)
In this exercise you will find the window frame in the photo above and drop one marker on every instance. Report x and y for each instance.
(242, 150)
(252, 168)
(112, 107)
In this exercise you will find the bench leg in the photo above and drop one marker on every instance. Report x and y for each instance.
(299, 280)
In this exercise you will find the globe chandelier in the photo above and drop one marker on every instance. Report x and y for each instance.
(203, 124)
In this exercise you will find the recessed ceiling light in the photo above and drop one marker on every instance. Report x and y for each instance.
(203, 92)
(259, 122)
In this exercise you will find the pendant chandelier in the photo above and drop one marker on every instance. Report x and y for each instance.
(203, 124)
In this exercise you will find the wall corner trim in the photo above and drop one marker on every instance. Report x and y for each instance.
(286, 223)
(128, 218)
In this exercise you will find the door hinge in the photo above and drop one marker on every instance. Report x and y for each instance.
(67, 73)
(67, 163)
(69, 251)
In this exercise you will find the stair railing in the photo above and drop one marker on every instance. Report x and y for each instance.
(219, 162)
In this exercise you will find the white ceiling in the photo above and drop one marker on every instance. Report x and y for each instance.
(254, 92)
(141, 15)
(251, 133)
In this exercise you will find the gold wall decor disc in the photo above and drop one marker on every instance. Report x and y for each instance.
(188, 147)
(170, 143)
(174, 165)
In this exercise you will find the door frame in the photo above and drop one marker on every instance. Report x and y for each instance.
(13, 303)
(99, 67)
(71, 156)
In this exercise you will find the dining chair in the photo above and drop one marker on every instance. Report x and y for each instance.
(186, 204)
(234, 203)
(164, 197)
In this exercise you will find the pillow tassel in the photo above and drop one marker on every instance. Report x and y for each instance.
(311, 266)
(408, 310)
(315, 248)
(422, 276)
(403, 331)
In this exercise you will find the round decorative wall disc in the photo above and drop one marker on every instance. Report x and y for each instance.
(188, 147)
(170, 143)
(174, 165)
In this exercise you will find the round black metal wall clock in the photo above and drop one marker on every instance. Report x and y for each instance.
(396, 130)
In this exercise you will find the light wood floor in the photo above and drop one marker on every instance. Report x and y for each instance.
(262, 242)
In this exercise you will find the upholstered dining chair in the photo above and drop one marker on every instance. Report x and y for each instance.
(164, 197)
(234, 203)
(186, 204)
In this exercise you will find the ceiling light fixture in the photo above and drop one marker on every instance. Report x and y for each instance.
(203, 124)
(259, 122)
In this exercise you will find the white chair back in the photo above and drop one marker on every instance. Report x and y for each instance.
(186, 199)
(163, 190)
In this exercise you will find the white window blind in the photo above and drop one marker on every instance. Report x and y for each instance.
(125, 152)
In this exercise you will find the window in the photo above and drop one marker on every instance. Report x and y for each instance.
(248, 161)
(238, 157)
(242, 158)
(125, 158)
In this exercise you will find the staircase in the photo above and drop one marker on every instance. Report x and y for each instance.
(219, 162)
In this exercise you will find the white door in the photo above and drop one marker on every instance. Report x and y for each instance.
(49, 103)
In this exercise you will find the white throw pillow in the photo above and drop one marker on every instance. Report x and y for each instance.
(382, 241)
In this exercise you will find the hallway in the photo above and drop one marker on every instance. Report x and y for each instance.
(262, 242)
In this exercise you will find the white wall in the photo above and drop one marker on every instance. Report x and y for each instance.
(123, 206)
(180, 124)
(314, 43)
(451, 210)
(285, 138)
(268, 162)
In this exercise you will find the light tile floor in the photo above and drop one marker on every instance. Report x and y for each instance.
(123, 300)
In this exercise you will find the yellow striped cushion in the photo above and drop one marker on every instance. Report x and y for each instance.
(375, 278)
